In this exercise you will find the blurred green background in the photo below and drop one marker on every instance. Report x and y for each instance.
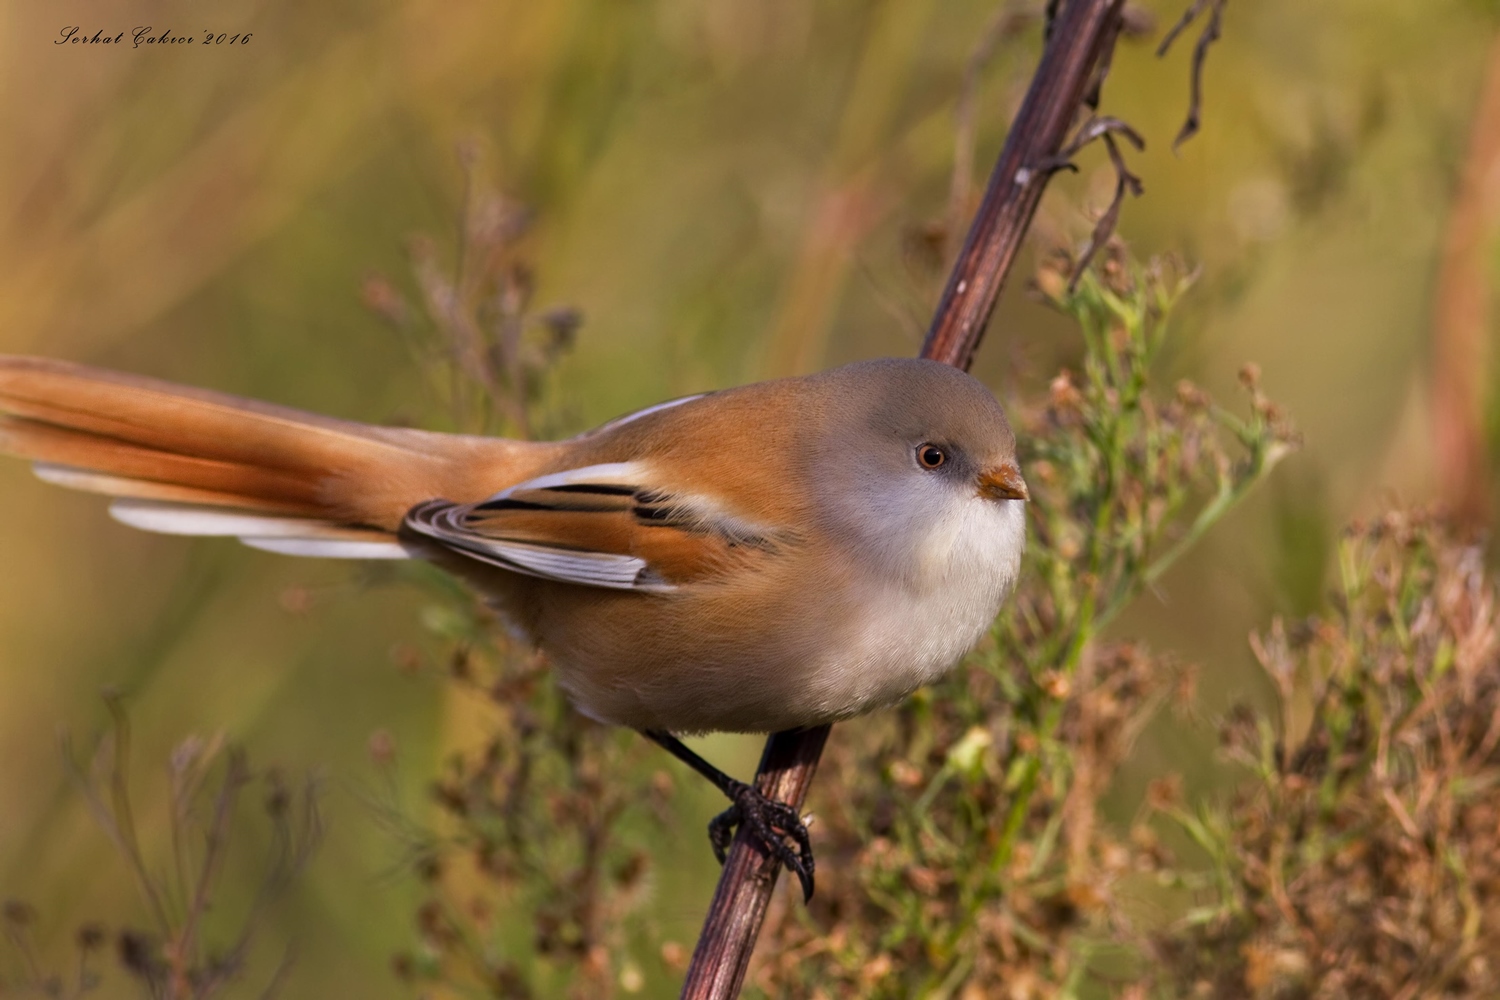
(728, 191)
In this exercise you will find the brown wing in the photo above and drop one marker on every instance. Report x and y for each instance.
(601, 527)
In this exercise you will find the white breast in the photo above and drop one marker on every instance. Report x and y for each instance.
(917, 625)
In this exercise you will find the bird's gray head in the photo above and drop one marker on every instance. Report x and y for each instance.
(921, 421)
(920, 460)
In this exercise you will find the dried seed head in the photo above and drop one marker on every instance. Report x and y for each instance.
(1057, 685)
(382, 747)
(90, 937)
(296, 600)
(905, 775)
(1063, 394)
(138, 953)
(674, 956)
(1190, 396)
(17, 913)
(1164, 793)
(406, 657)
(1051, 278)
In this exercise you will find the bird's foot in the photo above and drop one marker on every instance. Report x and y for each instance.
(772, 824)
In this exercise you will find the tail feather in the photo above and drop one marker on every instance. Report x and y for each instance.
(286, 535)
(75, 477)
(178, 454)
(123, 462)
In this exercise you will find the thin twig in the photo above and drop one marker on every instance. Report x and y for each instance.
(216, 846)
(1105, 46)
(1021, 175)
(1078, 34)
(116, 817)
(1209, 35)
(1092, 130)
(1125, 181)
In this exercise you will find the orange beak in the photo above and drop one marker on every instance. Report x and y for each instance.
(1003, 482)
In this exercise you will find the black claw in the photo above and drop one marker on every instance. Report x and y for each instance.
(721, 832)
(771, 823)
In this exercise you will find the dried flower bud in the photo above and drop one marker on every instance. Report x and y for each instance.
(17, 914)
(433, 923)
(596, 962)
(408, 658)
(460, 664)
(1063, 394)
(278, 797)
(382, 747)
(1051, 279)
(90, 937)
(924, 881)
(877, 969)
(382, 298)
(1057, 685)
(1190, 396)
(1165, 793)
(296, 600)
(1115, 857)
(1265, 409)
(562, 324)
(632, 979)
(904, 774)
(674, 955)
(138, 953)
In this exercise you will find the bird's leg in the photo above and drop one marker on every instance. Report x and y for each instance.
(769, 821)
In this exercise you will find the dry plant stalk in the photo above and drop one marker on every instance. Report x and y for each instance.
(1361, 855)
(1066, 74)
(529, 847)
(1461, 315)
(538, 857)
(478, 334)
(1212, 29)
(968, 854)
(187, 950)
(577, 947)
(1079, 39)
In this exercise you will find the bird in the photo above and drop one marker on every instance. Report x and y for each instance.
(769, 557)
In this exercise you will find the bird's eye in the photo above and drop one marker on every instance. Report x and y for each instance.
(930, 456)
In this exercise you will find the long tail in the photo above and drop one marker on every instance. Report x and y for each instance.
(188, 461)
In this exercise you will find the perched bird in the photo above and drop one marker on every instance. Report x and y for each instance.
(770, 557)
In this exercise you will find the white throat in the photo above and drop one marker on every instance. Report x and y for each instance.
(956, 571)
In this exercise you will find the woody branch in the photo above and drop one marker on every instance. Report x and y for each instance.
(1080, 39)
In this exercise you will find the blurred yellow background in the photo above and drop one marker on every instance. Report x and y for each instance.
(728, 191)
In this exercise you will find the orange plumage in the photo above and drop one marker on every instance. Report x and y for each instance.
(140, 438)
(755, 559)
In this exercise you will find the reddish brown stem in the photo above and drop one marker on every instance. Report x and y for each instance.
(739, 905)
(1078, 43)
(1026, 165)
(1461, 315)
